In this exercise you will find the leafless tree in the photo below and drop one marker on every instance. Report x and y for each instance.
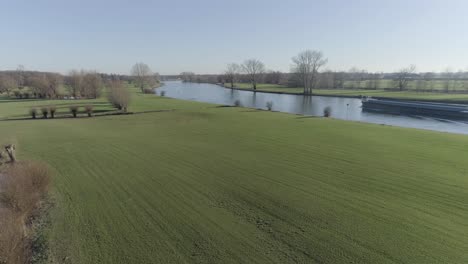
(254, 70)
(7, 84)
(273, 77)
(232, 71)
(119, 96)
(188, 76)
(447, 79)
(92, 84)
(20, 76)
(143, 75)
(75, 82)
(403, 76)
(55, 81)
(339, 80)
(39, 85)
(307, 65)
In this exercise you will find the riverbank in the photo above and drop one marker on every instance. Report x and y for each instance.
(235, 185)
(378, 94)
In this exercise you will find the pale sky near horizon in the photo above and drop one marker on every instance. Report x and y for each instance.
(204, 35)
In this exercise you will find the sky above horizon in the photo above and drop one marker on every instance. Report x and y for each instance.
(204, 35)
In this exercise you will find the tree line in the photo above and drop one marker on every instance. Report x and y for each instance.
(89, 84)
(307, 71)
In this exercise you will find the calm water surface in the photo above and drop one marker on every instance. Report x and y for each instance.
(342, 108)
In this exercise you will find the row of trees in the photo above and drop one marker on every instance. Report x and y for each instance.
(306, 72)
(77, 84)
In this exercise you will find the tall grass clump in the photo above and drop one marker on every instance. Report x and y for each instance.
(74, 110)
(119, 96)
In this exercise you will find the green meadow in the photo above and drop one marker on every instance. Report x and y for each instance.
(198, 183)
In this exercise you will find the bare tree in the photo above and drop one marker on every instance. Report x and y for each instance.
(55, 82)
(92, 83)
(39, 85)
(188, 76)
(119, 96)
(404, 75)
(75, 82)
(254, 70)
(20, 76)
(232, 71)
(273, 77)
(7, 83)
(307, 65)
(142, 74)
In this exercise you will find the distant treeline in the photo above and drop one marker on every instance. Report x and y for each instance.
(24, 84)
(353, 79)
(307, 72)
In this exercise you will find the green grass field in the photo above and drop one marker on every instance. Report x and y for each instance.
(410, 95)
(203, 184)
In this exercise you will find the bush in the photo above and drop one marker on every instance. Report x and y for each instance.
(52, 110)
(89, 110)
(163, 93)
(327, 111)
(237, 103)
(24, 185)
(119, 96)
(74, 110)
(148, 91)
(269, 105)
(33, 112)
(45, 112)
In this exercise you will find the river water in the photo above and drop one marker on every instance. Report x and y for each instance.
(341, 108)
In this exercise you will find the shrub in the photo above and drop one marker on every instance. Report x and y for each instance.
(52, 110)
(237, 103)
(327, 111)
(269, 105)
(119, 96)
(148, 91)
(89, 110)
(74, 110)
(163, 93)
(24, 184)
(45, 112)
(33, 112)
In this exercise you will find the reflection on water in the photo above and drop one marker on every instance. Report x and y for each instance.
(341, 108)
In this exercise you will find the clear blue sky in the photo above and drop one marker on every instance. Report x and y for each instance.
(204, 35)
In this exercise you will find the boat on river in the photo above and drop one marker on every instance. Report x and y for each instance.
(458, 111)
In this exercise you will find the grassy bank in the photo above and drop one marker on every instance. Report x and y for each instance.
(203, 184)
(408, 95)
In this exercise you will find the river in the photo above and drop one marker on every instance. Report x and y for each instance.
(341, 108)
